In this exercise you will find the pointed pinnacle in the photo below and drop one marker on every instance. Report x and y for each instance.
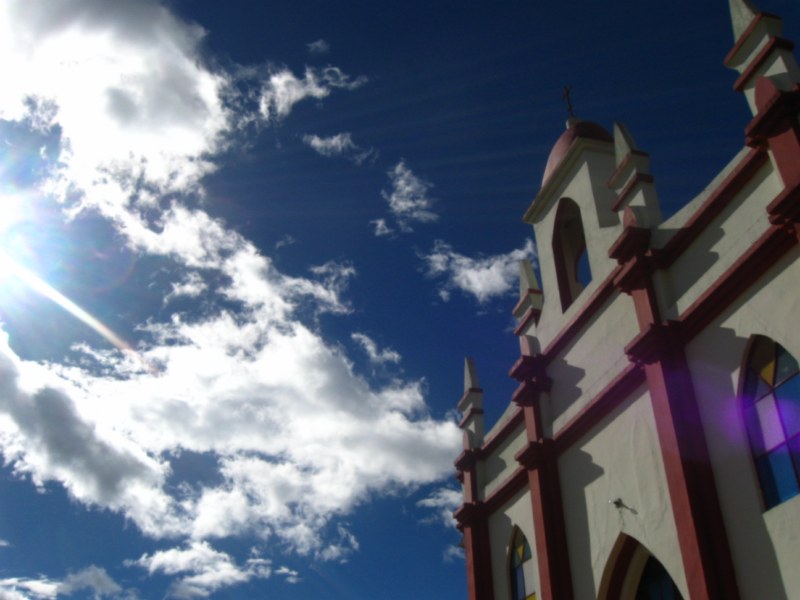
(623, 142)
(742, 14)
(470, 375)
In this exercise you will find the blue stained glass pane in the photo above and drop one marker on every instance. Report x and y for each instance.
(788, 396)
(519, 584)
(786, 364)
(750, 385)
(777, 476)
(754, 430)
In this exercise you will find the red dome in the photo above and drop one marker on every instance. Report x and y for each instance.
(575, 129)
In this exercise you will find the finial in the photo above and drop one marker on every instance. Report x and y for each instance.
(742, 14)
(565, 97)
(470, 375)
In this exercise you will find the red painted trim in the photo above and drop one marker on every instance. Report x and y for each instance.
(746, 34)
(473, 522)
(613, 180)
(506, 490)
(621, 568)
(785, 208)
(711, 207)
(499, 436)
(609, 398)
(581, 318)
(736, 279)
(531, 315)
(774, 43)
(530, 292)
(637, 179)
(472, 412)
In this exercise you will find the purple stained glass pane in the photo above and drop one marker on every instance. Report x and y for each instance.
(788, 396)
(769, 423)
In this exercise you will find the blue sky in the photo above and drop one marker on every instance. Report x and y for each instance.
(245, 248)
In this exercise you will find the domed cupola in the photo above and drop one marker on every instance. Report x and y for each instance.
(575, 129)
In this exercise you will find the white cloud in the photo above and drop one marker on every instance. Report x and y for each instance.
(203, 570)
(299, 439)
(330, 146)
(191, 286)
(376, 356)
(443, 502)
(283, 89)
(319, 47)
(408, 199)
(381, 228)
(340, 144)
(452, 554)
(485, 277)
(291, 575)
(93, 580)
(286, 240)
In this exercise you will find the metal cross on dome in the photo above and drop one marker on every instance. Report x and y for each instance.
(566, 98)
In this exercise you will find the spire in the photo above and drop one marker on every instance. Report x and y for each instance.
(471, 406)
(623, 142)
(470, 376)
(742, 14)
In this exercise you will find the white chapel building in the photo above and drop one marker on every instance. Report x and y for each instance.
(652, 448)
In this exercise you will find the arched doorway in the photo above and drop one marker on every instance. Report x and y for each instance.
(633, 573)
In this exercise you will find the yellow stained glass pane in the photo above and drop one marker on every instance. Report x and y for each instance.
(531, 596)
(768, 372)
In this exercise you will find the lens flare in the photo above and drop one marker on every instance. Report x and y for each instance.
(40, 286)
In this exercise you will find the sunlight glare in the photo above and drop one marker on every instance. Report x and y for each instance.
(40, 286)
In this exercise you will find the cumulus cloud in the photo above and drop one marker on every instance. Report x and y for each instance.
(202, 569)
(484, 277)
(340, 144)
(283, 89)
(298, 439)
(376, 355)
(319, 47)
(408, 199)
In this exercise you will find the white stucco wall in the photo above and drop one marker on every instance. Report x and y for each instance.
(764, 544)
(620, 458)
(500, 464)
(591, 361)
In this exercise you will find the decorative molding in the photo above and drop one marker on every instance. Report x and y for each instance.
(637, 179)
(775, 43)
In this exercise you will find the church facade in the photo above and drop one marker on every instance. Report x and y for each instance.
(652, 447)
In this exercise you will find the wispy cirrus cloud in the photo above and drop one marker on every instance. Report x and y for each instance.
(408, 200)
(318, 47)
(283, 89)
(341, 144)
(483, 278)
(376, 356)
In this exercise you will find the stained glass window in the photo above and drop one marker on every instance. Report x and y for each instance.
(520, 567)
(656, 584)
(771, 408)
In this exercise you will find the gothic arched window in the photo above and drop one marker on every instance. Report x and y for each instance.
(569, 252)
(771, 410)
(521, 568)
